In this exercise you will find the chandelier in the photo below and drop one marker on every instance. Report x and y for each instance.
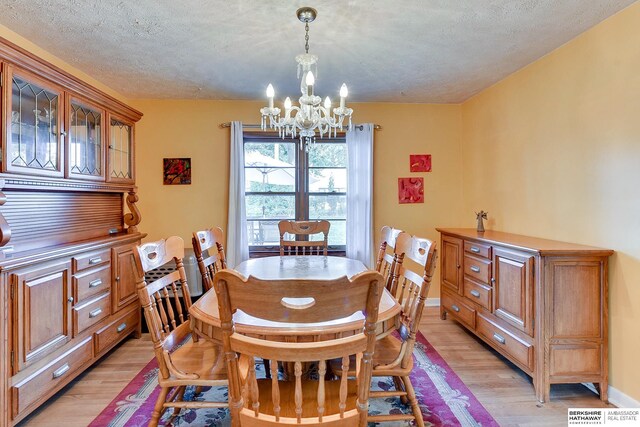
(310, 116)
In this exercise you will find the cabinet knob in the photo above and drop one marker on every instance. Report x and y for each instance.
(458, 266)
(493, 280)
(70, 299)
(117, 278)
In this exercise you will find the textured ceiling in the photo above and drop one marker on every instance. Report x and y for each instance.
(440, 51)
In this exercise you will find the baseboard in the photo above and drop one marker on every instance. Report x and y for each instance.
(616, 397)
(433, 302)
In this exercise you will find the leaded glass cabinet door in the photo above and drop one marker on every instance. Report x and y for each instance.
(85, 140)
(34, 134)
(120, 164)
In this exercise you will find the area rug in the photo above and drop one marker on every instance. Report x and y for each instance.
(444, 399)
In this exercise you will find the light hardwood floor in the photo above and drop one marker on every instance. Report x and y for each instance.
(503, 389)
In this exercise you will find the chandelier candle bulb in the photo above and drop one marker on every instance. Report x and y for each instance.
(270, 94)
(327, 106)
(310, 81)
(343, 94)
(287, 105)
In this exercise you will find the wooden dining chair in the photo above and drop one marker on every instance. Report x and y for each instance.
(208, 248)
(312, 402)
(393, 355)
(183, 360)
(386, 258)
(209, 251)
(304, 229)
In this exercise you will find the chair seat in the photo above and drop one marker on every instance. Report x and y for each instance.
(386, 351)
(309, 397)
(203, 358)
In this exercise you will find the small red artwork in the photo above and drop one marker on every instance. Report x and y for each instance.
(177, 171)
(411, 190)
(420, 162)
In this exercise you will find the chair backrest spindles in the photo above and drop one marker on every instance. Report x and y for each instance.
(322, 371)
(386, 258)
(275, 389)
(298, 390)
(208, 248)
(343, 385)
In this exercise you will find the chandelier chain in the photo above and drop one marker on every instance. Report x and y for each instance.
(306, 37)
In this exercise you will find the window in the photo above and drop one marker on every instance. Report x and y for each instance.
(284, 182)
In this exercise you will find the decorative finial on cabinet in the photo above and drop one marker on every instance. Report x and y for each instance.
(480, 216)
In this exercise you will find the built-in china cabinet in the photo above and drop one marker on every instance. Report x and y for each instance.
(68, 226)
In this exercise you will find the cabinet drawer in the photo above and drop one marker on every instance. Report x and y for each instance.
(479, 269)
(518, 349)
(91, 312)
(29, 390)
(459, 310)
(478, 249)
(91, 259)
(121, 327)
(478, 293)
(92, 282)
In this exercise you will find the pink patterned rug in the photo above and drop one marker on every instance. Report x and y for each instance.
(444, 399)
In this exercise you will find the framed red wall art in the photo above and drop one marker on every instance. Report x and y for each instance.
(176, 171)
(420, 162)
(410, 190)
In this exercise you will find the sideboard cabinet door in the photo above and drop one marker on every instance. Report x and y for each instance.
(85, 140)
(120, 158)
(452, 263)
(124, 277)
(42, 307)
(34, 120)
(513, 288)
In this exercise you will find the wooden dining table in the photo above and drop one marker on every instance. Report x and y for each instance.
(205, 318)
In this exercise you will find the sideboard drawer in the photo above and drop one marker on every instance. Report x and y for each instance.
(91, 259)
(520, 350)
(459, 310)
(29, 390)
(479, 269)
(122, 326)
(478, 249)
(478, 293)
(92, 282)
(91, 312)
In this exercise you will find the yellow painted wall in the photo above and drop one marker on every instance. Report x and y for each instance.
(20, 41)
(188, 128)
(554, 151)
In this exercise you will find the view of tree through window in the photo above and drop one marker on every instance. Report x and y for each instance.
(284, 182)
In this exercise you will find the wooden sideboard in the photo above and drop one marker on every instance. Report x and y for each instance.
(68, 226)
(540, 303)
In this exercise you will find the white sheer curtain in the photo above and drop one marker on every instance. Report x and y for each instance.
(237, 249)
(360, 194)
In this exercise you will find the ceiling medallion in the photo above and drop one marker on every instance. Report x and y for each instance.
(304, 120)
